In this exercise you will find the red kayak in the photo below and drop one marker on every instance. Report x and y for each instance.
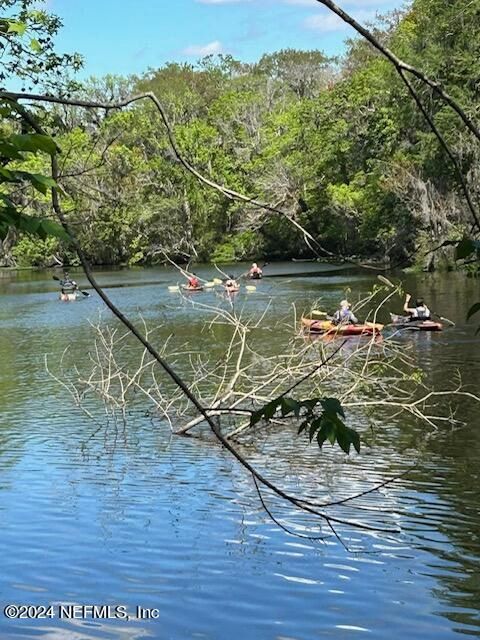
(404, 322)
(185, 287)
(327, 327)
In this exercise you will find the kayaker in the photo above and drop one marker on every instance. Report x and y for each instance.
(193, 281)
(67, 284)
(231, 283)
(344, 315)
(419, 312)
(255, 271)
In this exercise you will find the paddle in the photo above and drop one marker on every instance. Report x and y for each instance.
(443, 319)
(386, 281)
(247, 273)
(188, 274)
(84, 293)
(243, 275)
(374, 325)
(251, 287)
(437, 315)
(204, 285)
(226, 278)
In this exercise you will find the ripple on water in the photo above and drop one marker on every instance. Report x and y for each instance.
(174, 524)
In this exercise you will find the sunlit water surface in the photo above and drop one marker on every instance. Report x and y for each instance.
(139, 517)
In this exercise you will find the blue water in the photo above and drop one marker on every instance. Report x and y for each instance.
(132, 515)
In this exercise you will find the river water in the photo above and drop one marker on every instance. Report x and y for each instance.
(174, 524)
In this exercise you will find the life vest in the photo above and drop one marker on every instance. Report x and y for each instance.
(345, 316)
(193, 282)
(68, 286)
(421, 313)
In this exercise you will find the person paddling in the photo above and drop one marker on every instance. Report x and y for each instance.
(68, 287)
(255, 272)
(67, 284)
(231, 284)
(193, 282)
(344, 315)
(419, 312)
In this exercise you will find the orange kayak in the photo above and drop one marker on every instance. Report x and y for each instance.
(327, 327)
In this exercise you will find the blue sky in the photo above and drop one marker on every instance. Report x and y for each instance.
(128, 36)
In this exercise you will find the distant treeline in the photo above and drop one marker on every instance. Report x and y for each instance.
(338, 144)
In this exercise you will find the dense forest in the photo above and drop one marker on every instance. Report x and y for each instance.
(337, 144)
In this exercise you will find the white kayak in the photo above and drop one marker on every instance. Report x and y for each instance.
(70, 296)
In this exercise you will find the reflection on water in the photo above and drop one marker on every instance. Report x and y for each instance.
(175, 524)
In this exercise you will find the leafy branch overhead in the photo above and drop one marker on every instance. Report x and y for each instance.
(12, 152)
(321, 418)
(28, 48)
(28, 57)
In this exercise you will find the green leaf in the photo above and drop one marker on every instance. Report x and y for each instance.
(327, 426)
(267, 411)
(346, 437)
(331, 428)
(33, 225)
(29, 224)
(16, 27)
(7, 176)
(309, 404)
(33, 142)
(332, 406)
(40, 182)
(9, 216)
(302, 426)
(35, 46)
(56, 230)
(327, 431)
(288, 405)
(314, 425)
(8, 150)
(270, 408)
(473, 310)
(355, 440)
(255, 417)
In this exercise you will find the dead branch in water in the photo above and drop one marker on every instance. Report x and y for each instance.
(244, 376)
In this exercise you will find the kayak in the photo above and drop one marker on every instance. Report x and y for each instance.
(327, 327)
(232, 289)
(70, 296)
(185, 287)
(404, 322)
(255, 276)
